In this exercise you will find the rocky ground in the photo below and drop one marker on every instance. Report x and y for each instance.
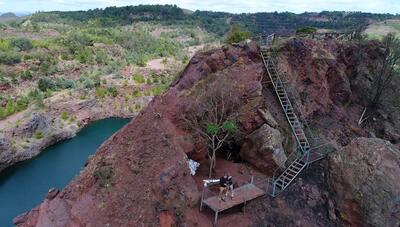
(140, 176)
(25, 134)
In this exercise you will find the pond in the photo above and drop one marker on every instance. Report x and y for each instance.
(25, 185)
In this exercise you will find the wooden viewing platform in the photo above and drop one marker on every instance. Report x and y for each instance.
(241, 196)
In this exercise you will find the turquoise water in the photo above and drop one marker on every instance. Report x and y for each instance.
(24, 185)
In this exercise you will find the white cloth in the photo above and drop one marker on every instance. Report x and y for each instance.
(193, 165)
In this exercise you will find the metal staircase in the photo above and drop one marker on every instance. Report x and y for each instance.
(298, 160)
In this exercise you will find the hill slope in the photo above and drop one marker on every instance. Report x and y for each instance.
(141, 174)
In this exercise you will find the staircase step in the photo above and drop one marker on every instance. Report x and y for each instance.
(279, 184)
(288, 174)
(292, 171)
(294, 168)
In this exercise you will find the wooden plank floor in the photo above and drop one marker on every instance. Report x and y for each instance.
(244, 193)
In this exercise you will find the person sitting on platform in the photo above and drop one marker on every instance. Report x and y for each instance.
(225, 186)
(230, 186)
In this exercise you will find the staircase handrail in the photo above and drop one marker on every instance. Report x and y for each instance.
(271, 60)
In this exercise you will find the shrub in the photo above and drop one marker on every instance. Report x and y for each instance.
(185, 60)
(4, 45)
(65, 83)
(113, 91)
(23, 44)
(45, 84)
(103, 175)
(101, 57)
(96, 80)
(138, 78)
(157, 90)
(26, 75)
(64, 115)
(9, 58)
(87, 82)
(156, 80)
(306, 30)
(237, 35)
(101, 92)
(136, 93)
(44, 68)
(84, 55)
(38, 135)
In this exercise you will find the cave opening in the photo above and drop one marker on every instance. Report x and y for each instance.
(230, 152)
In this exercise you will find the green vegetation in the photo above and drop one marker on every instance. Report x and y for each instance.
(91, 46)
(138, 78)
(9, 58)
(112, 91)
(38, 135)
(14, 105)
(306, 30)
(103, 175)
(101, 92)
(26, 75)
(64, 115)
(45, 84)
(237, 35)
(380, 29)
(22, 44)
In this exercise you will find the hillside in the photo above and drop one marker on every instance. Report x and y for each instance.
(141, 174)
(7, 17)
(217, 22)
(379, 29)
(57, 77)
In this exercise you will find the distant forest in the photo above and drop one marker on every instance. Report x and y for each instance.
(214, 22)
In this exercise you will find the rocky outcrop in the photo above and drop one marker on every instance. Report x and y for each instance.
(364, 179)
(42, 128)
(37, 122)
(263, 149)
(141, 175)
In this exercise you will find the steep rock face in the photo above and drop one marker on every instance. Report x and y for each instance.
(20, 143)
(364, 179)
(331, 88)
(263, 149)
(37, 122)
(141, 175)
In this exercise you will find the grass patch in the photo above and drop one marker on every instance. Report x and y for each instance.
(38, 135)
(139, 78)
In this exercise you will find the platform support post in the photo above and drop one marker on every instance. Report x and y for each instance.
(202, 198)
(216, 218)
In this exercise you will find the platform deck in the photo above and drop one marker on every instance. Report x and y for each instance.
(241, 195)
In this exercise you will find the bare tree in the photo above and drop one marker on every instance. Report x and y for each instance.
(387, 69)
(383, 73)
(212, 115)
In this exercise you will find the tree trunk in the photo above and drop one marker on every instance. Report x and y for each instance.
(211, 167)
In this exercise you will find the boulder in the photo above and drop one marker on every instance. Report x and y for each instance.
(364, 179)
(263, 149)
(268, 118)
